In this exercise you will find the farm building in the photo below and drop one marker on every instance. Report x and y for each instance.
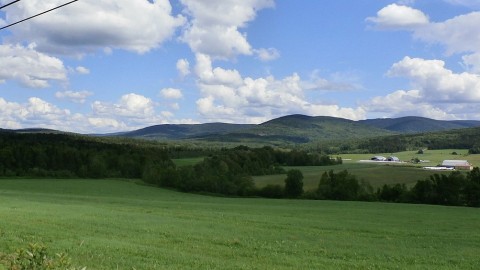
(393, 159)
(378, 158)
(457, 164)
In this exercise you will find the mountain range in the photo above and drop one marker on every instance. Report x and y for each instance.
(295, 128)
(298, 128)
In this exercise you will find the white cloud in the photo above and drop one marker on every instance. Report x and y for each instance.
(29, 67)
(406, 103)
(215, 26)
(171, 93)
(459, 35)
(266, 55)
(227, 96)
(76, 97)
(472, 62)
(437, 83)
(82, 70)
(438, 92)
(399, 17)
(106, 124)
(34, 113)
(183, 67)
(89, 25)
(130, 105)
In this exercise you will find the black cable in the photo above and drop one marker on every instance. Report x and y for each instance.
(4, 6)
(1, 28)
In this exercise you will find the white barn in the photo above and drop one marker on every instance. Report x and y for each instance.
(457, 164)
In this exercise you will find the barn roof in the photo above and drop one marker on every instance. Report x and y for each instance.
(455, 163)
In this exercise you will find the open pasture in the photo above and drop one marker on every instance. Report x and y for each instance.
(115, 224)
(377, 174)
(434, 157)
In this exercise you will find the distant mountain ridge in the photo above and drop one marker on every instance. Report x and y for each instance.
(295, 128)
(414, 124)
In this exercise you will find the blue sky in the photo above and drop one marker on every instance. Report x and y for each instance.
(107, 66)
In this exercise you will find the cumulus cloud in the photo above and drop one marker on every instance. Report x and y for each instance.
(183, 67)
(76, 97)
(459, 35)
(171, 93)
(227, 96)
(399, 17)
(472, 62)
(407, 103)
(266, 55)
(130, 105)
(215, 26)
(437, 92)
(33, 113)
(438, 83)
(29, 67)
(89, 25)
(106, 124)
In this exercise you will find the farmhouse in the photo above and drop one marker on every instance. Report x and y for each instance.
(378, 158)
(457, 164)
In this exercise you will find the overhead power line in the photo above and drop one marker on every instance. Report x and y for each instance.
(39, 14)
(11, 3)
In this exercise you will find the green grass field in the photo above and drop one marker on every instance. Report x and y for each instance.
(377, 174)
(118, 224)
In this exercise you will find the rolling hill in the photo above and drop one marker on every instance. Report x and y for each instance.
(184, 131)
(296, 129)
(301, 129)
(412, 124)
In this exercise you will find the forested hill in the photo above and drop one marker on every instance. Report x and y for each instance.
(184, 131)
(412, 124)
(302, 129)
(468, 138)
(291, 129)
(298, 129)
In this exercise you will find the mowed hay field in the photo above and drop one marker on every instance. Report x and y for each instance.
(377, 174)
(116, 224)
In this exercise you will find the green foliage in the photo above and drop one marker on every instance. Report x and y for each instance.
(36, 257)
(272, 191)
(294, 184)
(343, 186)
(396, 193)
(475, 149)
(60, 155)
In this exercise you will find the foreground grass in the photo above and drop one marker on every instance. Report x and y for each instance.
(110, 224)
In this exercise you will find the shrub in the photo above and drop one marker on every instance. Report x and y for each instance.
(271, 191)
(35, 257)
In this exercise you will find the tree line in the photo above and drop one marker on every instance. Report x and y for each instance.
(62, 155)
(455, 189)
(229, 172)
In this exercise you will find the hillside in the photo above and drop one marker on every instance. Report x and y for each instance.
(303, 129)
(184, 131)
(412, 124)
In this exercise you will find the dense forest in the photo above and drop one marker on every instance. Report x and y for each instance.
(62, 155)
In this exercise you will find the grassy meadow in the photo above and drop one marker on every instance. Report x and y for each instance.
(377, 174)
(120, 224)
